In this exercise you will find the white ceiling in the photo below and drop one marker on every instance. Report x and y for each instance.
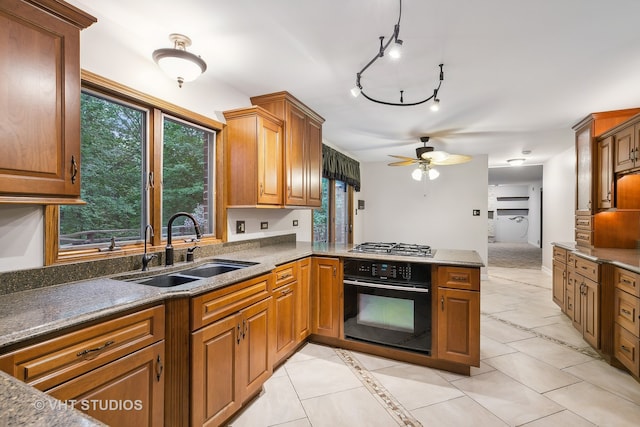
(518, 74)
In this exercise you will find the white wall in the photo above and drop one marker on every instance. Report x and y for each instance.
(558, 202)
(501, 227)
(21, 237)
(280, 221)
(437, 213)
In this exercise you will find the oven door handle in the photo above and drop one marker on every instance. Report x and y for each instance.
(391, 287)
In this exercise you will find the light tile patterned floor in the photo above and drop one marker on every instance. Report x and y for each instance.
(535, 370)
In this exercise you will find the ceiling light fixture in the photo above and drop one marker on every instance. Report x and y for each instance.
(424, 169)
(515, 162)
(394, 53)
(176, 62)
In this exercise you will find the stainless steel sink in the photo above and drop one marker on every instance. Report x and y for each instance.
(177, 278)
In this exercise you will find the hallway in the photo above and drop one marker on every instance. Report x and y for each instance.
(536, 370)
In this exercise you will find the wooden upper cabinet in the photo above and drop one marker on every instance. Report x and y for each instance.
(40, 108)
(605, 178)
(254, 158)
(626, 152)
(587, 130)
(302, 148)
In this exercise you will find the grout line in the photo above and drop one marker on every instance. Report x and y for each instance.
(392, 406)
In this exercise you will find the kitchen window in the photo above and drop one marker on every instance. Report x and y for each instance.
(333, 221)
(142, 161)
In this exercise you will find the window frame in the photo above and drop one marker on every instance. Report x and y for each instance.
(331, 232)
(157, 109)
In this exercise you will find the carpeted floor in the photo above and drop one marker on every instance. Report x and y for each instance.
(514, 255)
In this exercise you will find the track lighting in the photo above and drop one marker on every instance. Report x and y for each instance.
(394, 44)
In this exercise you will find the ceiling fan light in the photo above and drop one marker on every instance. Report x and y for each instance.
(355, 91)
(515, 162)
(433, 174)
(435, 105)
(417, 174)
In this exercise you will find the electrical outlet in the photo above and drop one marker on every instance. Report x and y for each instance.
(239, 227)
(264, 225)
(295, 222)
(476, 212)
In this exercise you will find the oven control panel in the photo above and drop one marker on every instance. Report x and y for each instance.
(397, 272)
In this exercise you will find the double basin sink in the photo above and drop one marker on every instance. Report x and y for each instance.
(181, 277)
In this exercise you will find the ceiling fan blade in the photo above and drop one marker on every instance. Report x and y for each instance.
(452, 159)
(404, 162)
(404, 157)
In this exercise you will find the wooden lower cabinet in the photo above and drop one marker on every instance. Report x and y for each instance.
(230, 362)
(458, 315)
(326, 296)
(284, 299)
(586, 310)
(127, 392)
(303, 300)
(559, 282)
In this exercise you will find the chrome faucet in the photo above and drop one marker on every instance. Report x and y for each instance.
(146, 258)
(168, 257)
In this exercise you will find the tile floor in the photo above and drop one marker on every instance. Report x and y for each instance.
(535, 371)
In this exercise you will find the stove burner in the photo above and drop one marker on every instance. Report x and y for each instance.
(406, 249)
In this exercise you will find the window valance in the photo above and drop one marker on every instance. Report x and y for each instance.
(336, 165)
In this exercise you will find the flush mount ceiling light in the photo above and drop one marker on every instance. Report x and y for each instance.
(176, 62)
(395, 53)
(515, 162)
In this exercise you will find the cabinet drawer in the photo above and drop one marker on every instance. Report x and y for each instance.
(583, 237)
(286, 273)
(571, 260)
(54, 361)
(588, 269)
(626, 311)
(627, 281)
(215, 305)
(583, 222)
(560, 254)
(625, 349)
(459, 278)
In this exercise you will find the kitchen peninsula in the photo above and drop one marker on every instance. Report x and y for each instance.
(158, 321)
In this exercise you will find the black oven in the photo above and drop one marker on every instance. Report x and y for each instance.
(388, 303)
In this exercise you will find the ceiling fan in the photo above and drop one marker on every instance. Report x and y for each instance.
(426, 157)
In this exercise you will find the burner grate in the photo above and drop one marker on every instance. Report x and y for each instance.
(405, 249)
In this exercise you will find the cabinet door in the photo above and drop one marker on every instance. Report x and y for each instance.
(126, 392)
(559, 283)
(40, 108)
(295, 157)
(625, 152)
(591, 313)
(584, 170)
(314, 163)
(605, 178)
(269, 162)
(285, 299)
(303, 325)
(215, 394)
(578, 290)
(459, 326)
(326, 296)
(255, 363)
(570, 298)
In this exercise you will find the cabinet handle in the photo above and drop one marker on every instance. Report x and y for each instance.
(459, 278)
(626, 282)
(93, 350)
(625, 311)
(239, 334)
(159, 368)
(335, 271)
(286, 291)
(74, 169)
(442, 303)
(244, 328)
(285, 276)
(261, 189)
(625, 348)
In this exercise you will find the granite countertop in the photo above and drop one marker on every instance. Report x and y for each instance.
(33, 313)
(624, 258)
(23, 405)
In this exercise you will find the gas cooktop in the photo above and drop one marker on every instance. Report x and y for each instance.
(405, 249)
